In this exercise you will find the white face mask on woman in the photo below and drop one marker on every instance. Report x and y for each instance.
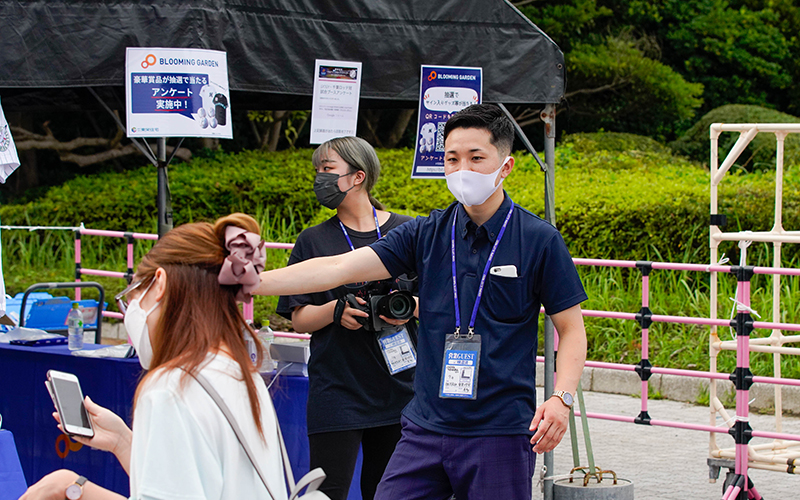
(473, 188)
(136, 324)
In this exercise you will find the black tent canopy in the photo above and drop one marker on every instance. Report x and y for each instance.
(271, 46)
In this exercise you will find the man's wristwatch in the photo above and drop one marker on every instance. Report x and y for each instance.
(75, 490)
(565, 398)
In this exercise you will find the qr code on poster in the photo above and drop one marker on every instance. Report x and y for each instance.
(440, 136)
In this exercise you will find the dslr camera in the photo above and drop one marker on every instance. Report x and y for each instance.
(383, 298)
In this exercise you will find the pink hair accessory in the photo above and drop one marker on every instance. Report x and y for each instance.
(245, 262)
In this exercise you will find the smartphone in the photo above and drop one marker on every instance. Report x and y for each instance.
(68, 398)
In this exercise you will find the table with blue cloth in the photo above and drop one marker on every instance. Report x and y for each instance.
(27, 412)
(12, 480)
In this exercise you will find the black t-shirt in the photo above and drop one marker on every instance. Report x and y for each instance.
(350, 386)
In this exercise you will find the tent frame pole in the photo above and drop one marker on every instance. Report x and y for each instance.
(163, 198)
(549, 118)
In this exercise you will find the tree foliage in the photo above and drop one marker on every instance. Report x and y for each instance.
(652, 66)
(758, 155)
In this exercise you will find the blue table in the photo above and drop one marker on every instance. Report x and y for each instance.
(26, 408)
(12, 481)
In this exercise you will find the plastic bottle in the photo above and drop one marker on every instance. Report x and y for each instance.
(266, 336)
(250, 343)
(75, 328)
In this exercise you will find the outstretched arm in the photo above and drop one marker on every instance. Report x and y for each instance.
(550, 420)
(323, 273)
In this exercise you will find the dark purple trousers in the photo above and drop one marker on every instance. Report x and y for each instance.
(428, 465)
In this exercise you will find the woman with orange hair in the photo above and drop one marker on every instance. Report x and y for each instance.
(182, 316)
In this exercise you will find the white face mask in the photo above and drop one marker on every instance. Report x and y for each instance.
(136, 324)
(473, 188)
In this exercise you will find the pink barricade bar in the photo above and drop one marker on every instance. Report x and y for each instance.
(609, 314)
(287, 246)
(704, 268)
(779, 381)
(601, 262)
(690, 373)
(98, 272)
(660, 423)
(112, 314)
(783, 271)
(776, 435)
(688, 320)
(118, 234)
(601, 364)
(776, 326)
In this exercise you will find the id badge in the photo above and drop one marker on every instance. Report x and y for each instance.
(462, 357)
(398, 351)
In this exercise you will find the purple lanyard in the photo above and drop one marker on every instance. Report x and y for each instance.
(377, 227)
(471, 330)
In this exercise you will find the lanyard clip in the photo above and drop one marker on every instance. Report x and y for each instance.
(470, 332)
(457, 333)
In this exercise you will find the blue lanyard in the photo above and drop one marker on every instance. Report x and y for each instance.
(377, 228)
(471, 330)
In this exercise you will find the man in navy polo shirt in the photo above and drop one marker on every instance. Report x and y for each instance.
(485, 268)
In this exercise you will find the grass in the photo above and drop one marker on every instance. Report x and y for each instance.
(42, 256)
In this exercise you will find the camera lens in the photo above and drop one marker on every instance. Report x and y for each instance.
(398, 305)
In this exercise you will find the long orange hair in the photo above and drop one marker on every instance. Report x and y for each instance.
(198, 314)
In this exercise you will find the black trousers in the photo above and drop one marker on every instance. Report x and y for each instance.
(337, 452)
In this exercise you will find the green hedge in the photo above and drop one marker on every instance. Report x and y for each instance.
(611, 201)
(201, 190)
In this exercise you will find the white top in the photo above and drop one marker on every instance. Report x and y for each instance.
(184, 448)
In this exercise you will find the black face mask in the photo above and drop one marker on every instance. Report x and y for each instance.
(326, 187)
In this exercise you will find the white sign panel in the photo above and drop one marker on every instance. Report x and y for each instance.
(334, 112)
(177, 93)
(9, 161)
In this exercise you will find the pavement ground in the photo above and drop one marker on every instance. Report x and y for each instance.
(665, 463)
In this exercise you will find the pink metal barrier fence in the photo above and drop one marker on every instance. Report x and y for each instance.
(782, 457)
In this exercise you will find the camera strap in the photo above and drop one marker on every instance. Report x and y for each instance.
(462, 353)
(347, 236)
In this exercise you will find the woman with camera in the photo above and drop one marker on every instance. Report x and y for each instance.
(354, 399)
(182, 316)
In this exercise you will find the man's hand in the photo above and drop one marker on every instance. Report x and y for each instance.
(550, 424)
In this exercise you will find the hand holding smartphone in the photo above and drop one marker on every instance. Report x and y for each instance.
(65, 389)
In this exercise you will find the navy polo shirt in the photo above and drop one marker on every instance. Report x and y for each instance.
(507, 319)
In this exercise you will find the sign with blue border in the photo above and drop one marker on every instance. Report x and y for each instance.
(444, 90)
(177, 93)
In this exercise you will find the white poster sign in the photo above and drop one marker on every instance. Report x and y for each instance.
(9, 161)
(334, 112)
(177, 93)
